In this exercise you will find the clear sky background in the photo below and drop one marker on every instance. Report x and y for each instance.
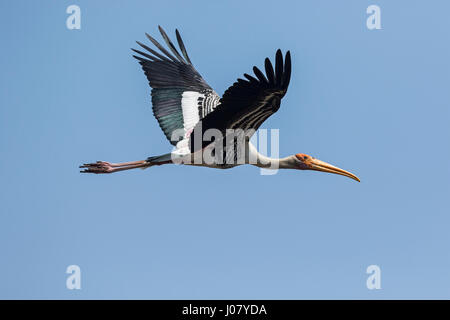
(375, 102)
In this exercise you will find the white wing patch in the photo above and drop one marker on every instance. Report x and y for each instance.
(195, 105)
(189, 105)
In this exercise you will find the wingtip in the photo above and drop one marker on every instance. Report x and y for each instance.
(279, 55)
(141, 60)
(161, 30)
(287, 58)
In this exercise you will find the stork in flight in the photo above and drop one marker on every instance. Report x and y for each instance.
(186, 107)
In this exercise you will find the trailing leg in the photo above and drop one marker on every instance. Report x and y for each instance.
(107, 167)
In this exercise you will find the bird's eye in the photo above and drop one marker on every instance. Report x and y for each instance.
(305, 157)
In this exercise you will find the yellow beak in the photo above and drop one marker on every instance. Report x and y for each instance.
(319, 165)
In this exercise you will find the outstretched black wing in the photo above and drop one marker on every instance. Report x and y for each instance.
(180, 96)
(248, 103)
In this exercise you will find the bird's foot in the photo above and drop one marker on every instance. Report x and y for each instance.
(98, 167)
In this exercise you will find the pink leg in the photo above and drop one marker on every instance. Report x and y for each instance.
(106, 167)
(116, 165)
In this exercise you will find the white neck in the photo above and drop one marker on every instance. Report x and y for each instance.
(263, 161)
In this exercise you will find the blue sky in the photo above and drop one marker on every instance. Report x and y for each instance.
(375, 102)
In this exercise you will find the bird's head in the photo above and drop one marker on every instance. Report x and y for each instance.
(306, 162)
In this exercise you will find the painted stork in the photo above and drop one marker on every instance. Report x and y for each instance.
(185, 107)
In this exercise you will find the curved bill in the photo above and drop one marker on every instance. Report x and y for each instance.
(319, 165)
